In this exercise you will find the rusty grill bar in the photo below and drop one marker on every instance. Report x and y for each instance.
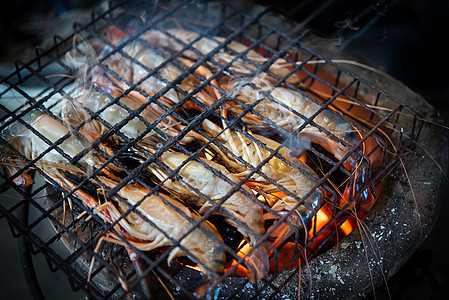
(233, 24)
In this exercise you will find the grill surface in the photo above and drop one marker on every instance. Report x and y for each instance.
(259, 28)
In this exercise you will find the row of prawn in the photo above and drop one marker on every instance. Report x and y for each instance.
(249, 162)
(302, 118)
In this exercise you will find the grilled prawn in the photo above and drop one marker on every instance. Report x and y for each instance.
(290, 110)
(241, 211)
(140, 69)
(171, 222)
(114, 112)
(148, 69)
(193, 46)
(51, 131)
(282, 174)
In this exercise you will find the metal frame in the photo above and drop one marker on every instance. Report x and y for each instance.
(38, 68)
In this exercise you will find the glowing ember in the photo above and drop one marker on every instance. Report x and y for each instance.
(234, 267)
(323, 216)
(347, 227)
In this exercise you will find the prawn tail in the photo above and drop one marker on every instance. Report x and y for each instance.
(257, 264)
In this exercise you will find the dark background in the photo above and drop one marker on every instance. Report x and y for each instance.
(409, 42)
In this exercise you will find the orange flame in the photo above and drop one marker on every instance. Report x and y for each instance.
(322, 217)
(244, 249)
(347, 227)
(303, 158)
(238, 269)
(197, 268)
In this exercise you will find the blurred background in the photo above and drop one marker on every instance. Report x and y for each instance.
(407, 42)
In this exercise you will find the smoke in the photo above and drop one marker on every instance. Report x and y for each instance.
(298, 145)
(82, 58)
(250, 88)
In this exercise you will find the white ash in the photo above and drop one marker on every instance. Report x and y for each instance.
(344, 245)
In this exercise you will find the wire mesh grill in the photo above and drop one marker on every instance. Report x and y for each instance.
(125, 112)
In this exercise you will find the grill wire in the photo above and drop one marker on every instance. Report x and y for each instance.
(224, 20)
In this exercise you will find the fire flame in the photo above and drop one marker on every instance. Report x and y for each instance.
(239, 270)
(322, 217)
(347, 227)
(197, 268)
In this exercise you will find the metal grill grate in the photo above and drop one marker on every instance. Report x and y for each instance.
(111, 33)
